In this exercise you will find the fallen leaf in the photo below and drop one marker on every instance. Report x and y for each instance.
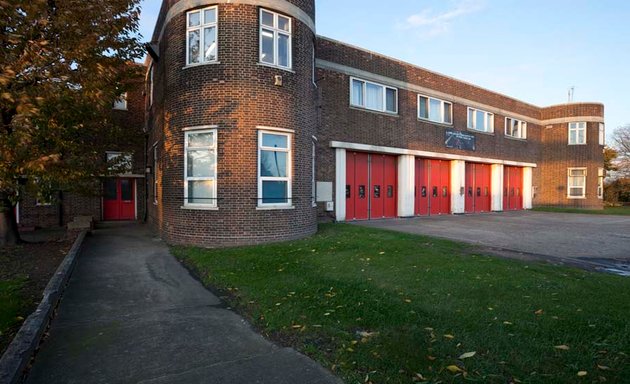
(562, 347)
(467, 355)
(296, 326)
(582, 373)
(428, 329)
(431, 358)
(454, 369)
(407, 300)
(603, 367)
(539, 312)
(507, 323)
(418, 376)
(450, 337)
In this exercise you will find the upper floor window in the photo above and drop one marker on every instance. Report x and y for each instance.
(377, 97)
(435, 110)
(600, 183)
(200, 169)
(121, 102)
(577, 183)
(577, 133)
(602, 134)
(119, 162)
(275, 39)
(274, 167)
(515, 128)
(480, 120)
(201, 36)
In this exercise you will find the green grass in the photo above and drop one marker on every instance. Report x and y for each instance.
(12, 303)
(384, 306)
(606, 211)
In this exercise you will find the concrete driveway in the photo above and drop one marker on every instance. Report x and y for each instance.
(587, 238)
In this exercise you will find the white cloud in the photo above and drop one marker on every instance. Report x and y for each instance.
(430, 23)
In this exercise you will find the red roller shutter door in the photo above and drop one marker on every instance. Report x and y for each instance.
(357, 186)
(478, 187)
(513, 189)
(422, 187)
(390, 179)
(432, 189)
(370, 186)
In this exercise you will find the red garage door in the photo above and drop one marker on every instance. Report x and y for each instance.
(119, 202)
(512, 188)
(370, 186)
(432, 191)
(478, 190)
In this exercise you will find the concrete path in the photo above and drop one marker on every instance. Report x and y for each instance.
(133, 314)
(561, 235)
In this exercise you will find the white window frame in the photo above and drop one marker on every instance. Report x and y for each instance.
(276, 33)
(364, 96)
(120, 104)
(150, 81)
(443, 104)
(212, 203)
(569, 176)
(488, 120)
(522, 128)
(600, 183)
(155, 174)
(288, 178)
(313, 182)
(577, 127)
(202, 25)
(602, 134)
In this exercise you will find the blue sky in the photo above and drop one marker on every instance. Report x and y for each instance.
(532, 50)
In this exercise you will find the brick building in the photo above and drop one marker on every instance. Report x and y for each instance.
(256, 127)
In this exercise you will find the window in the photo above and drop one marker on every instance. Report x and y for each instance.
(201, 36)
(150, 82)
(275, 39)
(377, 97)
(274, 169)
(119, 162)
(121, 102)
(480, 120)
(600, 183)
(577, 133)
(602, 134)
(200, 168)
(515, 128)
(435, 110)
(155, 175)
(577, 183)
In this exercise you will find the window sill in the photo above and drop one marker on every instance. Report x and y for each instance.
(482, 132)
(276, 67)
(449, 125)
(576, 198)
(576, 144)
(275, 208)
(390, 114)
(201, 64)
(515, 138)
(199, 208)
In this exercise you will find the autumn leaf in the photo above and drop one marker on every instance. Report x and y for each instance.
(454, 369)
(448, 336)
(562, 347)
(582, 373)
(467, 355)
(431, 358)
(539, 312)
(603, 367)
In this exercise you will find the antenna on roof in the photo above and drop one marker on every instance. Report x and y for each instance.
(571, 92)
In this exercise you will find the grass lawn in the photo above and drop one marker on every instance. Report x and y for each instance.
(607, 211)
(385, 307)
(13, 306)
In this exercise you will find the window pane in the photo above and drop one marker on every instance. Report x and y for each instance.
(572, 137)
(470, 118)
(193, 19)
(197, 140)
(581, 138)
(274, 192)
(126, 191)
(109, 189)
(267, 54)
(210, 44)
(424, 110)
(447, 113)
(273, 164)
(275, 141)
(575, 192)
(193, 46)
(283, 50)
(374, 97)
(267, 19)
(357, 93)
(283, 23)
(210, 16)
(200, 163)
(201, 192)
(435, 112)
(390, 99)
(515, 128)
(480, 121)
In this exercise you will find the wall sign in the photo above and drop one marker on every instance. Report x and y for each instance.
(460, 140)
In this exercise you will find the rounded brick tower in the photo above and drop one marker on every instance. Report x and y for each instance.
(232, 121)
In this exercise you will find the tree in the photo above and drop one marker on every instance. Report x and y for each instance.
(610, 154)
(621, 143)
(62, 63)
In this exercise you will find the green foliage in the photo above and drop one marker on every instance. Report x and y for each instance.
(11, 303)
(385, 307)
(623, 211)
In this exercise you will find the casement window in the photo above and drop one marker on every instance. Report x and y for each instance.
(577, 183)
(119, 162)
(373, 96)
(155, 175)
(121, 102)
(600, 183)
(435, 110)
(577, 133)
(479, 120)
(275, 39)
(201, 36)
(515, 128)
(200, 169)
(602, 134)
(274, 169)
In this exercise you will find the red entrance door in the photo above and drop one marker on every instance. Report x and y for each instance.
(370, 186)
(512, 189)
(119, 201)
(433, 195)
(478, 182)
